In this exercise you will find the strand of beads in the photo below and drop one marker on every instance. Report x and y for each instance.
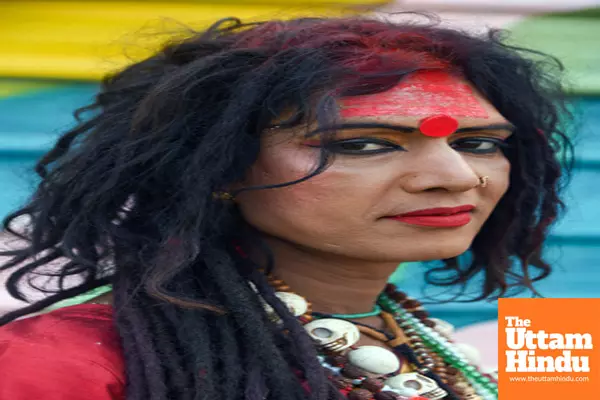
(453, 357)
(483, 385)
(357, 384)
(298, 305)
(447, 374)
(455, 377)
(429, 360)
(369, 372)
(420, 350)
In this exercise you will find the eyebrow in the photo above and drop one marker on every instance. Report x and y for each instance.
(408, 129)
(492, 127)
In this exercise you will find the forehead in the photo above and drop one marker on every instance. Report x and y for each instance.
(421, 94)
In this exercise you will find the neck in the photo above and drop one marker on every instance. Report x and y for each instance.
(333, 284)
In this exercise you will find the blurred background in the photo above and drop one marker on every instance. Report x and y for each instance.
(53, 53)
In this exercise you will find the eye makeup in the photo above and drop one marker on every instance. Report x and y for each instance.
(361, 141)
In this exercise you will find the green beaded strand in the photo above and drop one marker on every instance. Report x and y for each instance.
(469, 371)
(373, 313)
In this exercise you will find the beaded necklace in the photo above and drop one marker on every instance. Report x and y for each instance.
(440, 368)
(484, 385)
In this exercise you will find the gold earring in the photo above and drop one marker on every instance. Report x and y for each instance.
(223, 196)
(483, 181)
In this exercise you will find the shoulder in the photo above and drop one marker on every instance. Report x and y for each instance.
(55, 355)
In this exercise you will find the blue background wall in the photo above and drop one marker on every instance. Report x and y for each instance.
(32, 115)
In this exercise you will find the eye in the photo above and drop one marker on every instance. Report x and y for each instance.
(362, 146)
(478, 145)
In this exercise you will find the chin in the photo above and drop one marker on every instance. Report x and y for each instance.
(435, 251)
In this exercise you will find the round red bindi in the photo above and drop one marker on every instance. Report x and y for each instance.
(438, 126)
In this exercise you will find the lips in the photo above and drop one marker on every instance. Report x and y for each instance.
(440, 211)
(443, 217)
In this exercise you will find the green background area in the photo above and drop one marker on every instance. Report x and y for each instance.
(573, 38)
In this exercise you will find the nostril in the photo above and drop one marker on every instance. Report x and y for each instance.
(436, 189)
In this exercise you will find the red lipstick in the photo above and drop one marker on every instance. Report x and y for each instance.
(443, 217)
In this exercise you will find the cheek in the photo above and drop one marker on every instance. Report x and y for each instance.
(308, 209)
(330, 206)
(499, 180)
(281, 166)
(295, 207)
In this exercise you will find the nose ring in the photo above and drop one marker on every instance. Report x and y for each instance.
(483, 181)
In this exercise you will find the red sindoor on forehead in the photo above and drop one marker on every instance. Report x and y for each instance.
(422, 94)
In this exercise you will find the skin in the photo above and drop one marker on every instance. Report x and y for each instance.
(330, 237)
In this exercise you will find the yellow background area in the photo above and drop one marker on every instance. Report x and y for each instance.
(84, 40)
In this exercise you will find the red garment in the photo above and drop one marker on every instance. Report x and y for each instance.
(73, 353)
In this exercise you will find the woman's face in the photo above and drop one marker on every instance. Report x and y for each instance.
(357, 207)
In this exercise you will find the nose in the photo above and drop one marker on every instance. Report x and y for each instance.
(437, 166)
